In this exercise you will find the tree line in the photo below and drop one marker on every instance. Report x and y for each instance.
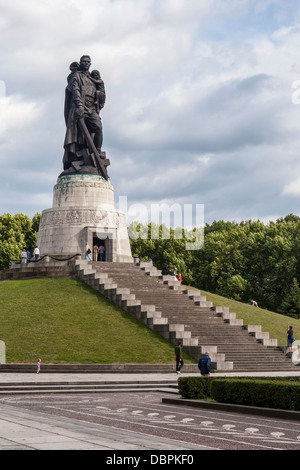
(241, 261)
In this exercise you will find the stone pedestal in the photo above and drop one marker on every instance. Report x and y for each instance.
(83, 211)
(2, 353)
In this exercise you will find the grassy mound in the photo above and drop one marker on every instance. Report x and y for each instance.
(65, 321)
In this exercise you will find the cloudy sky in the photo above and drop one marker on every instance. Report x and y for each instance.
(203, 101)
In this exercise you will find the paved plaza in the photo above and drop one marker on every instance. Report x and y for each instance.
(131, 420)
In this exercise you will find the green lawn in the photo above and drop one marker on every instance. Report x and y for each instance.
(65, 321)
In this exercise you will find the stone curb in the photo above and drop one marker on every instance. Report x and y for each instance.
(99, 368)
(231, 408)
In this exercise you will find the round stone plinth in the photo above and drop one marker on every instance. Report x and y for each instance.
(86, 191)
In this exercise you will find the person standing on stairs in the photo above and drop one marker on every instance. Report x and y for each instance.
(290, 339)
(178, 356)
(87, 252)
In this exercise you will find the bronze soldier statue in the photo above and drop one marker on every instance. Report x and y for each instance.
(84, 98)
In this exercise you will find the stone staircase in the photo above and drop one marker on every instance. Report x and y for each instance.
(176, 312)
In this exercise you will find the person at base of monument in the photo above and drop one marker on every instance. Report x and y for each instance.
(87, 252)
(36, 253)
(101, 252)
(178, 356)
(24, 256)
(95, 252)
(38, 366)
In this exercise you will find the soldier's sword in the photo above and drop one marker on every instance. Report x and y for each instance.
(97, 161)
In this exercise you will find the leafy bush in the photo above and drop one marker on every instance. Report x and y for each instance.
(264, 393)
(274, 392)
(195, 387)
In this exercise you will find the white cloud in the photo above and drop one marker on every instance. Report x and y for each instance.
(292, 188)
(15, 115)
(199, 99)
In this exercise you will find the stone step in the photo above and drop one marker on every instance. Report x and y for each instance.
(83, 387)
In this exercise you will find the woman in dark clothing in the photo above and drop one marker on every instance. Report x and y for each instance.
(178, 355)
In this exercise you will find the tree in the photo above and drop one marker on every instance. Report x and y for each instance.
(291, 303)
(163, 246)
(16, 232)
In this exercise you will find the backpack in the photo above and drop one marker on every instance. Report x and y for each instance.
(202, 362)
